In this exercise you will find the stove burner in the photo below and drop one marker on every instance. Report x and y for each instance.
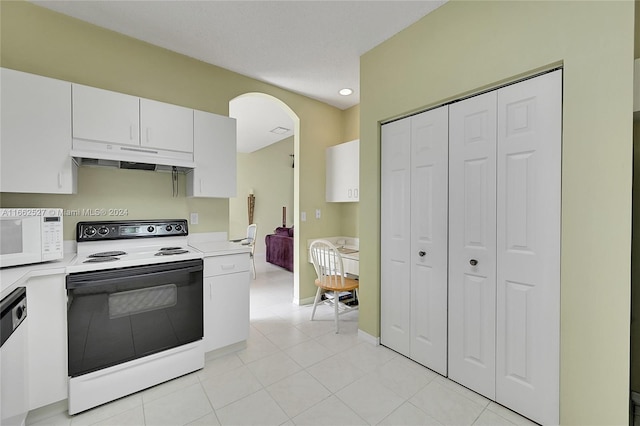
(170, 248)
(169, 251)
(101, 259)
(107, 254)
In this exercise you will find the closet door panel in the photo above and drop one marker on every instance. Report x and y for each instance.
(528, 246)
(395, 265)
(429, 216)
(472, 242)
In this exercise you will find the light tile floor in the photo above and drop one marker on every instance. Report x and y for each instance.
(297, 372)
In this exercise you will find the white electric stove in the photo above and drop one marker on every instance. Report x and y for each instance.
(134, 311)
(119, 244)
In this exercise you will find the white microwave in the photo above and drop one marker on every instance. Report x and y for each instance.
(30, 235)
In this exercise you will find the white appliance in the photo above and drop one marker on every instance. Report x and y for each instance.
(135, 309)
(14, 398)
(30, 235)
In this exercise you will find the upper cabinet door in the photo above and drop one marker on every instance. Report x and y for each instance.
(166, 126)
(102, 115)
(36, 135)
(214, 152)
(343, 172)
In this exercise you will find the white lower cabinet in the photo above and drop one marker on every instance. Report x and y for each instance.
(226, 300)
(470, 258)
(47, 337)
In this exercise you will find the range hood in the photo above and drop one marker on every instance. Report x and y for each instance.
(129, 165)
(95, 153)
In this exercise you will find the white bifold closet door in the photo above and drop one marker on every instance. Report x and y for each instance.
(414, 237)
(472, 243)
(504, 246)
(528, 242)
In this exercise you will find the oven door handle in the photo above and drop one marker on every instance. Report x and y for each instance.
(95, 279)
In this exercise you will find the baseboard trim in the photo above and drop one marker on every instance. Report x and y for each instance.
(42, 413)
(305, 301)
(363, 335)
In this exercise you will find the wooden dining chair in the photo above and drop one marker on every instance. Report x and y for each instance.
(327, 262)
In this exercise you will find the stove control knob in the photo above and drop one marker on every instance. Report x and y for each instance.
(168, 228)
(178, 228)
(150, 228)
(90, 231)
(103, 231)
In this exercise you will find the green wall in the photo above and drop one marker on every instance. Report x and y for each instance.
(466, 46)
(635, 249)
(39, 41)
(635, 264)
(269, 173)
(350, 211)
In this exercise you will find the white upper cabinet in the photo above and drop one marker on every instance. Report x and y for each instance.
(36, 135)
(166, 126)
(102, 115)
(343, 172)
(135, 126)
(214, 151)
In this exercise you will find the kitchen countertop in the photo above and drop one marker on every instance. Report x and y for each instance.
(14, 276)
(219, 248)
(349, 247)
(209, 244)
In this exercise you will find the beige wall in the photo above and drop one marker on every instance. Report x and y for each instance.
(635, 262)
(42, 42)
(349, 211)
(635, 250)
(269, 173)
(465, 46)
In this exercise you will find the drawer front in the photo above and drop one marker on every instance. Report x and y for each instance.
(228, 264)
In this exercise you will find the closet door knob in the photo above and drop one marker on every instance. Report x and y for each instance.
(473, 262)
(421, 253)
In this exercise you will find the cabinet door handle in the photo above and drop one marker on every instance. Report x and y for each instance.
(130, 132)
(228, 267)
(473, 262)
(148, 134)
(350, 193)
(355, 193)
(59, 179)
(200, 186)
(422, 253)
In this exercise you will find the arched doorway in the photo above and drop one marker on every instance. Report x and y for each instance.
(264, 120)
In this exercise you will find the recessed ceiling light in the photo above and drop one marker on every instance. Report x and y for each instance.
(345, 91)
(279, 130)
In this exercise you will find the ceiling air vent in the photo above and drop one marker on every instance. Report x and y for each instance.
(279, 130)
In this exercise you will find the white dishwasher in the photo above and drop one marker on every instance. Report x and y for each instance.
(14, 398)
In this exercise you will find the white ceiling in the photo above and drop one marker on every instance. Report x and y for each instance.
(305, 46)
(256, 117)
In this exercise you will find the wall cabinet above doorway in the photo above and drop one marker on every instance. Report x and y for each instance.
(343, 172)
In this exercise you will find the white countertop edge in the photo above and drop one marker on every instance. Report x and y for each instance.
(339, 241)
(219, 248)
(209, 243)
(15, 276)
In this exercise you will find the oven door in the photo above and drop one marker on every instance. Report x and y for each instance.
(117, 315)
